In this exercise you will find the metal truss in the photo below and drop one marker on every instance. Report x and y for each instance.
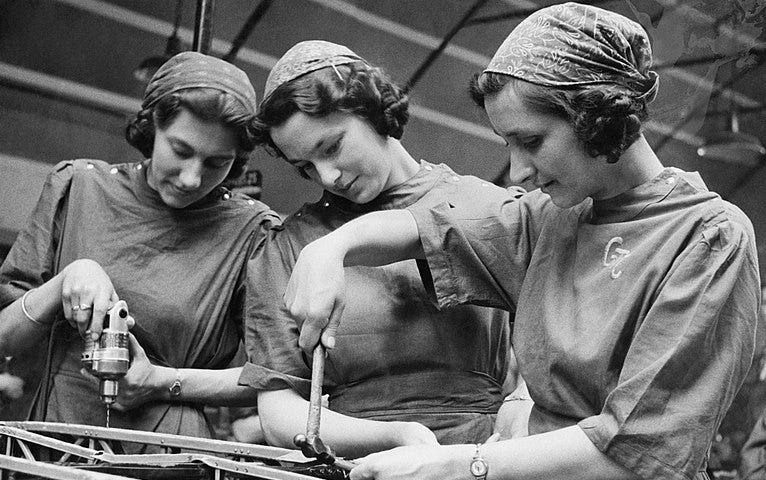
(68, 451)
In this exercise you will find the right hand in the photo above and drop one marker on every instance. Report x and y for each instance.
(87, 294)
(315, 294)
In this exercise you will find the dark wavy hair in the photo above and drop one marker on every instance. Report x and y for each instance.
(605, 118)
(357, 88)
(209, 104)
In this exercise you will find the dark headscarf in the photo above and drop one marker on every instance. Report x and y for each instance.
(197, 70)
(573, 45)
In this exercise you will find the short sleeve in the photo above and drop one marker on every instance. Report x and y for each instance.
(32, 258)
(688, 357)
(271, 335)
(477, 243)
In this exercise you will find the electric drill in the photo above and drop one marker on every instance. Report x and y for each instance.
(108, 358)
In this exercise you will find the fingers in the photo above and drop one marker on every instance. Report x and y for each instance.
(86, 295)
(328, 334)
(89, 376)
(311, 330)
(364, 471)
(493, 438)
(82, 313)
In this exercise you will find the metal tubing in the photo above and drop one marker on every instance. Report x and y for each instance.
(203, 26)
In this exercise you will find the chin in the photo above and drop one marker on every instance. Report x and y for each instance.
(564, 202)
(175, 202)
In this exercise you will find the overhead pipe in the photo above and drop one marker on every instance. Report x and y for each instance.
(247, 29)
(203, 26)
(435, 53)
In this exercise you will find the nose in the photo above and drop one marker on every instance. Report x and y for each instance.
(190, 176)
(328, 174)
(521, 170)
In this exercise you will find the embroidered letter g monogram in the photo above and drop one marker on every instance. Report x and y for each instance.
(614, 255)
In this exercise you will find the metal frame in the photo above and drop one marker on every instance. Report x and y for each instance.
(37, 448)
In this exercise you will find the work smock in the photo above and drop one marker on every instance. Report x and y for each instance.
(635, 318)
(396, 356)
(181, 272)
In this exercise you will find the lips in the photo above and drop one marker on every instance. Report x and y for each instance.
(544, 186)
(345, 187)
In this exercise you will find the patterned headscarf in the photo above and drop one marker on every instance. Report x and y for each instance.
(196, 70)
(306, 57)
(572, 44)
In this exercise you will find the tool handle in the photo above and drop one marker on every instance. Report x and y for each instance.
(315, 401)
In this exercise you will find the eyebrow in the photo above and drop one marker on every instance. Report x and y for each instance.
(318, 145)
(215, 155)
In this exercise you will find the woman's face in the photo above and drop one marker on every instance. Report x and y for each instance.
(190, 158)
(545, 152)
(340, 152)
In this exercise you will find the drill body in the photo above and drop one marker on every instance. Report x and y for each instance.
(108, 358)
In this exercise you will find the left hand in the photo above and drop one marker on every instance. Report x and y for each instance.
(138, 386)
(419, 462)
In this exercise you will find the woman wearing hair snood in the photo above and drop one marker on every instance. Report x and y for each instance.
(164, 236)
(338, 121)
(636, 288)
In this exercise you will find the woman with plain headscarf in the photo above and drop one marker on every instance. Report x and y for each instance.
(161, 234)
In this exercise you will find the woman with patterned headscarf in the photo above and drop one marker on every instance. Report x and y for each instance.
(636, 288)
(401, 365)
(161, 234)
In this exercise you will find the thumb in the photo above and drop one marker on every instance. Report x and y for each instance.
(135, 348)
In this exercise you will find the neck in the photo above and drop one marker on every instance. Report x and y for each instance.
(637, 165)
(403, 166)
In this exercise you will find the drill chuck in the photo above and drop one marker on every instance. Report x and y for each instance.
(108, 358)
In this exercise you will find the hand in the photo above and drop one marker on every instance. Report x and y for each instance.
(513, 418)
(140, 384)
(315, 294)
(412, 433)
(11, 386)
(87, 294)
(414, 462)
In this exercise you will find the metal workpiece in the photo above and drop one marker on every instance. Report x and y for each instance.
(66, 451)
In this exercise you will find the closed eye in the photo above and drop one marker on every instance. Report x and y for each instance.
(530, 144)
(333, 148)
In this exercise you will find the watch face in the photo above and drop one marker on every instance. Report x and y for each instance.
(175, 389)
(478, 467)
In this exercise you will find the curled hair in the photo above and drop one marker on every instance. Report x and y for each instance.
(208, 104)
(356, 88)
(605, 118)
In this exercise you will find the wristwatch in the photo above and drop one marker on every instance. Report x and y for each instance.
(479, 466)
(175, 387)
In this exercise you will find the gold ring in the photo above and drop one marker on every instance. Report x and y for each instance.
(75, 308)
(85, 307)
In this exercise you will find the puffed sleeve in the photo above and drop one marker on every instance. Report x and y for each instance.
(478, 243)
(31, 260)
(271, 335)
(687, 359)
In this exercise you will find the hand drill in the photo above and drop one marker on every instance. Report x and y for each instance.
(108, 358)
